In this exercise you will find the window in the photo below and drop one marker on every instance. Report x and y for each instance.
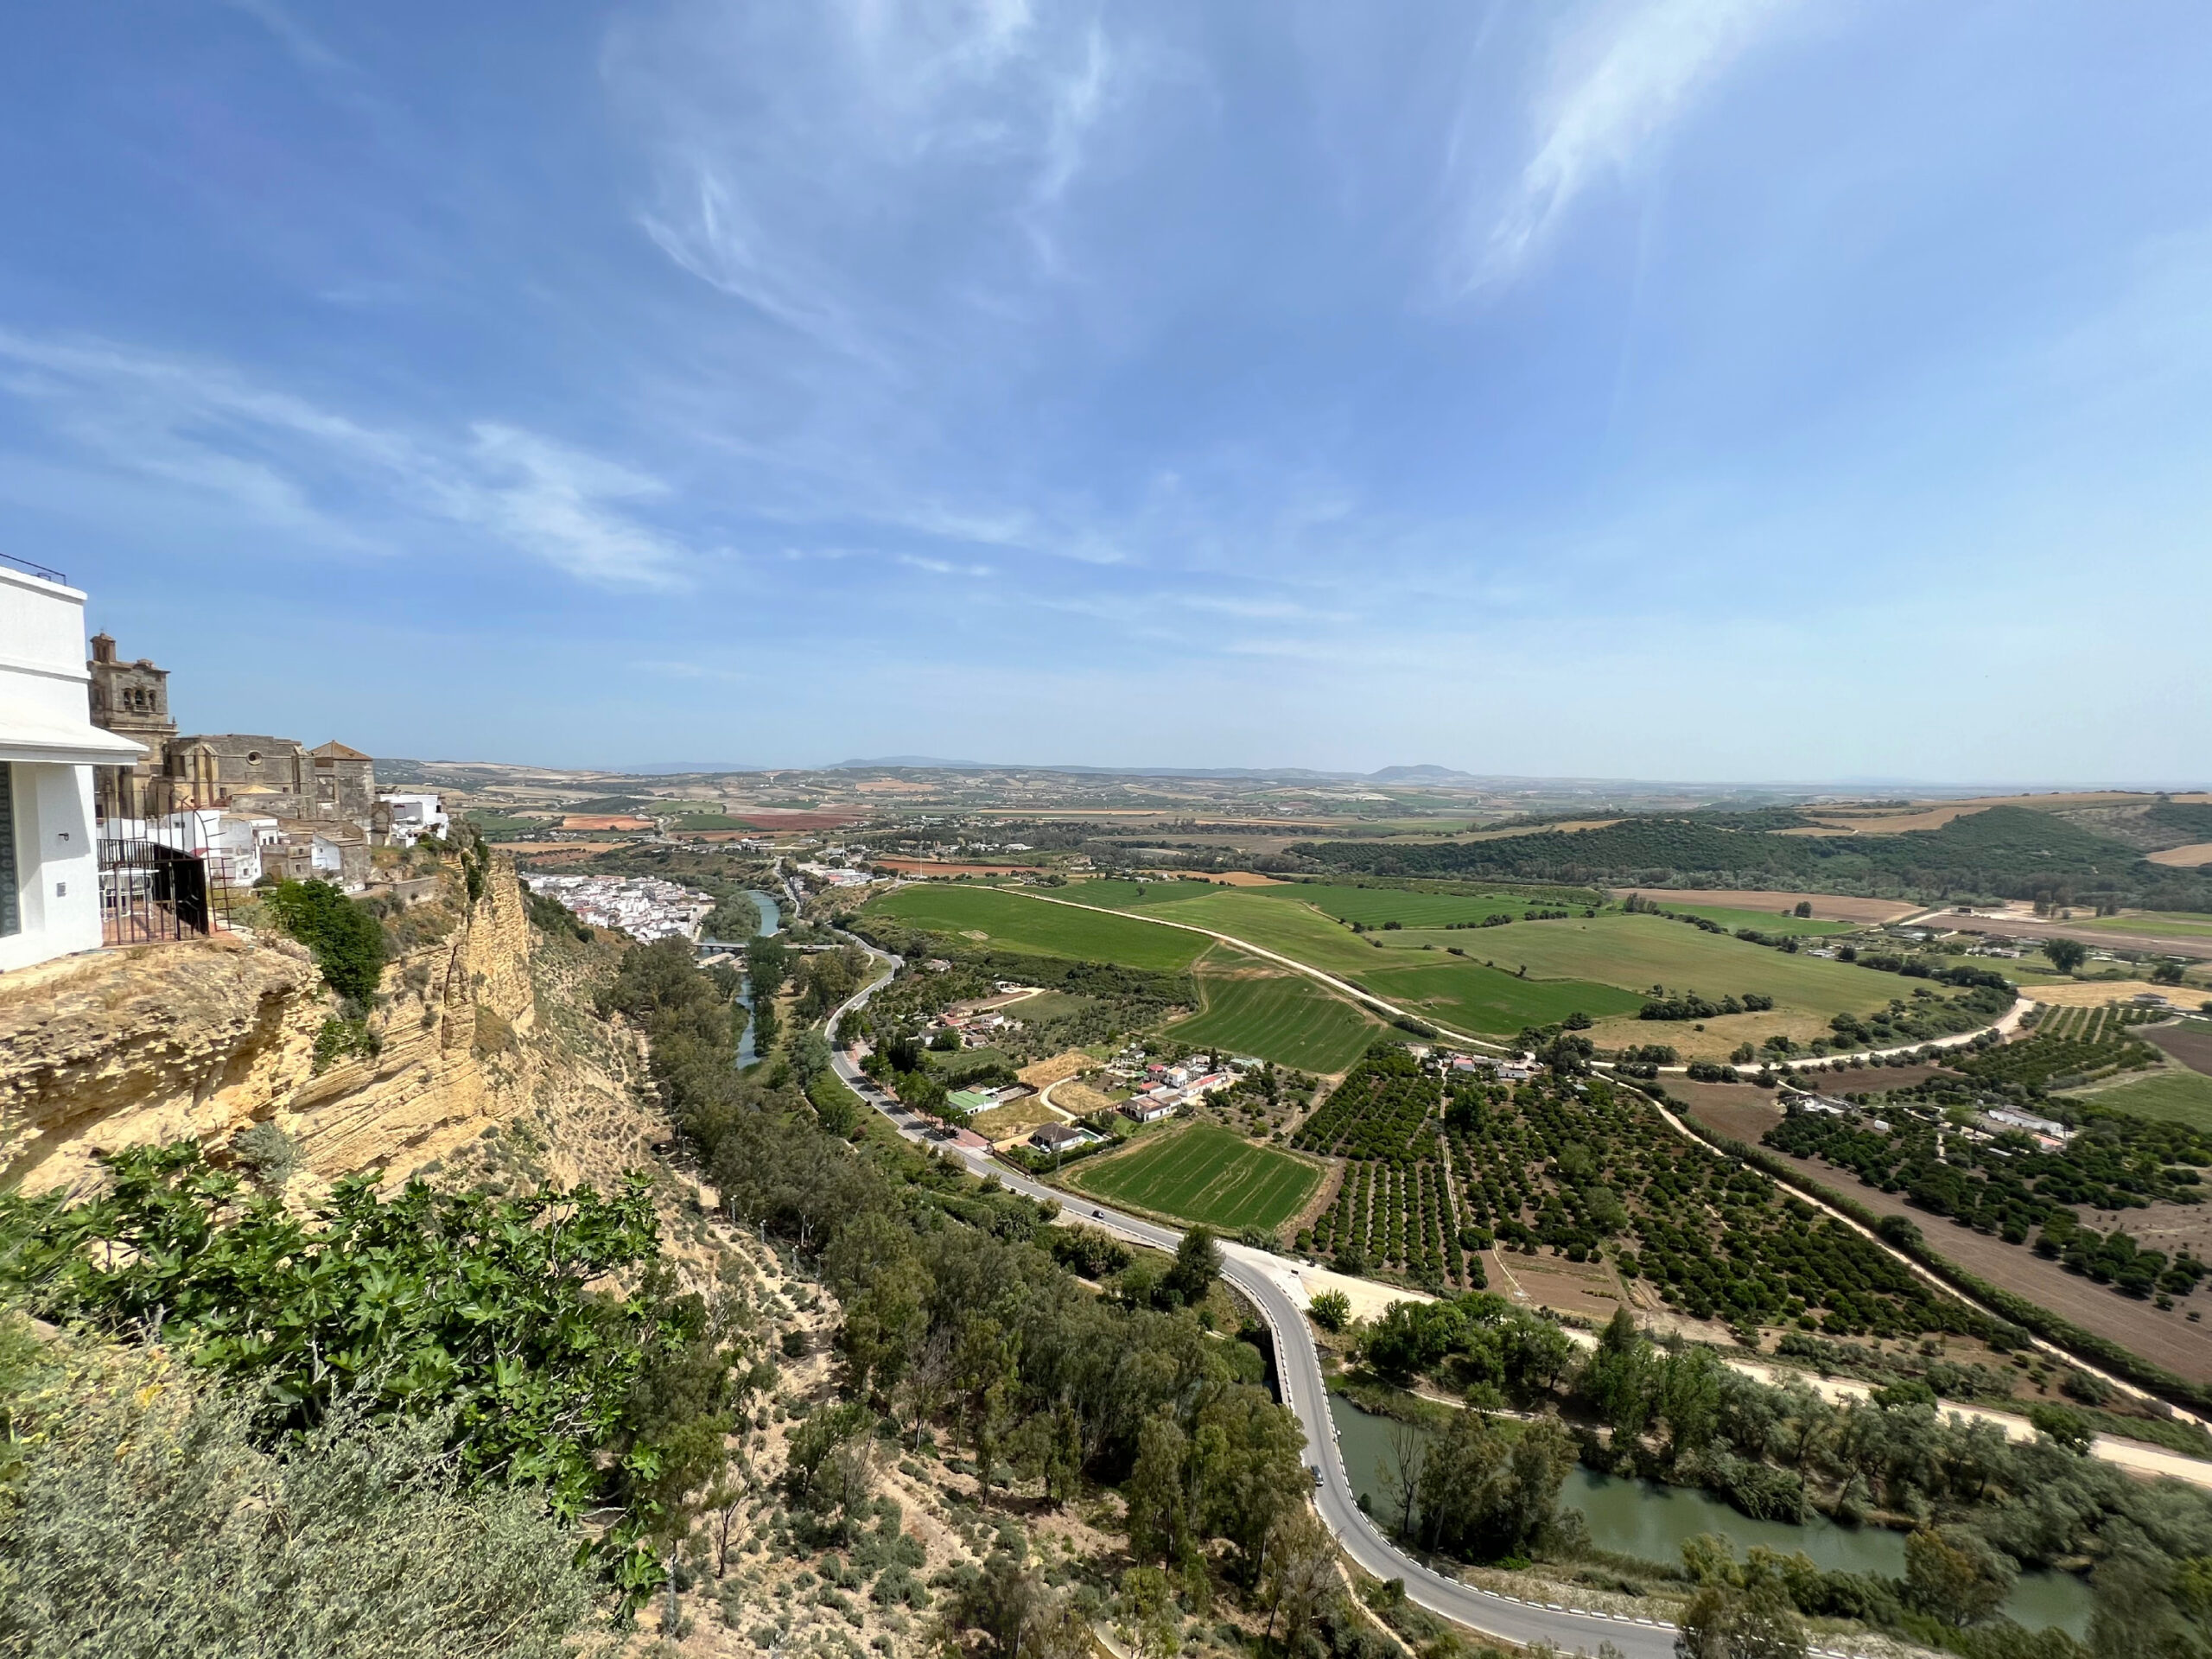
(11, 920)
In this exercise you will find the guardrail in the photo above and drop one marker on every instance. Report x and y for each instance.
(28, 567)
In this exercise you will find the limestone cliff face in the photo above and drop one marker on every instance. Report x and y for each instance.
(129, 1047)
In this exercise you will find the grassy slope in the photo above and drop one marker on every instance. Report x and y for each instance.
(1636, 952)
(1018, 923)
(1206, 1175)
(1280, 1017)
(1468, 996)
(2177, 1096)
(1763, 921)
(1375, 905)
(1600, 966)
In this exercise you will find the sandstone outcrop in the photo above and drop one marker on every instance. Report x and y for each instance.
(154, 1043)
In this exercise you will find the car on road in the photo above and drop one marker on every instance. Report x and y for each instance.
(1315, 1470)
(1099, 1215)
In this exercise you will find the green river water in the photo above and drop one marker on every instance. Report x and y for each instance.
(1642, 1518)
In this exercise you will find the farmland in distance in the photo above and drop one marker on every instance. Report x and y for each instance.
(1013, 923)
(1275, 1016)
(1204, 1175)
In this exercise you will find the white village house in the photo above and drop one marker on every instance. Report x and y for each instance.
(50, 871)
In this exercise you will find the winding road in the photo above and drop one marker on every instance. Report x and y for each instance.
(1270, 1286)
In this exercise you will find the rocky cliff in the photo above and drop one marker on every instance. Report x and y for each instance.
(207, 1038)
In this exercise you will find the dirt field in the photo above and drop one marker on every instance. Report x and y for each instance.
(1014, 1122)
(1891, 823)
(1242, 879)
(2191, 1046)
(1592, 1289)
(2184, 858)
(2095, 993)
(1043, 1074)
(923, 867)
(1721, 1035)
(550, 849)
(1828, 906)
(1074, 1098)
(2166, 1339)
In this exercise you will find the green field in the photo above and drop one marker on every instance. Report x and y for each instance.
(1013, 923)
(1602, 965)
(1763, 921)
(1372, 906)
(1468, 996)
(2177, 1096)
(1204, 1174)
(2175, 926)
(1637, 952)
(1280, 1017)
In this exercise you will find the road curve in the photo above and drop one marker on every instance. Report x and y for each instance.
(1261, 1277)
(1342, 987)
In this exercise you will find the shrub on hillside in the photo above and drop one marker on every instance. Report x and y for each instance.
(347, 942)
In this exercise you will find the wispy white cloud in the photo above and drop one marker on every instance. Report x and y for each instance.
(300, 40)
(941, 567)
(797, 153)
(278, 460)
(1619, 82)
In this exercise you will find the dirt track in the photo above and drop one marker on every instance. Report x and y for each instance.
(2166, 1339)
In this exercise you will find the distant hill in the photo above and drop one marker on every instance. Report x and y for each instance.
(2008, 850)
(1420, 775)
(918, 762)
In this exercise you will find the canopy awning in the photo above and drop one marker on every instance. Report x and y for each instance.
(66, 743)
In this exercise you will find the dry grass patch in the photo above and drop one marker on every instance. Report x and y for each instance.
(1721, 1035)
(1043, 1074)
(2096, 993)
(1007, 1122)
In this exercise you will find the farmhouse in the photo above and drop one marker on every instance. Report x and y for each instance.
(1058, 1137)
(1144, 1109)
(2043, 1128)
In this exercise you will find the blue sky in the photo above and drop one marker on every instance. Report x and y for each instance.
(1713, 389)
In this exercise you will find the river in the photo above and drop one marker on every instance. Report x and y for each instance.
(771, 920)
(1642, 1518)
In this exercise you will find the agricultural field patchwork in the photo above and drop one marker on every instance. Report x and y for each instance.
(1471, 978)
(1637, 952)
(1438, 1171)
(1204, 1175)
(1274, 1015)
(2070, 1047)
(1011, 922)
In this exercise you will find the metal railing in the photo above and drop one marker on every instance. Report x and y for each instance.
(156, 885)
(39, 570)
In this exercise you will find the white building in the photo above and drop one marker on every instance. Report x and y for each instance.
(49, 862)
(403, 817)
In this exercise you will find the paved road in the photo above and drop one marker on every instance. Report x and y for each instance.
(1267, 1281)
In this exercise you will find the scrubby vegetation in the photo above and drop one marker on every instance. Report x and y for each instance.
(2005, 851)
